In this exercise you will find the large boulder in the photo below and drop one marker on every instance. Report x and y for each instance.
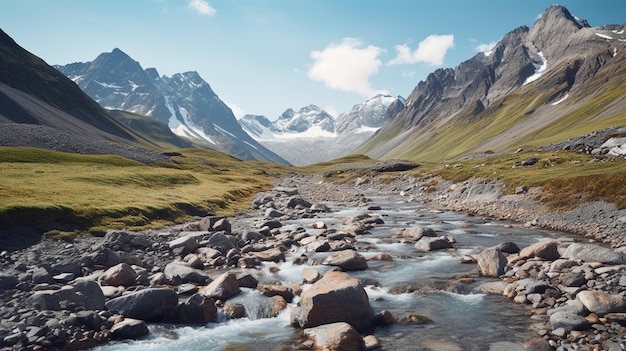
(223, 287)
(338, 336)
(121, 274)
(186, 244)
(569, 317)
(83, 294)
(221, 242)
(178, 273)
(601, 303)
(417, 232)
(129, 328)
(347, 260)
(491, 262)
(593, 253)
(149, 305)
(426, 244)
(546, 250)
(198, 309)
(337, 297)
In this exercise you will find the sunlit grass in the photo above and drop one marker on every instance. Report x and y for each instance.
(63, 190)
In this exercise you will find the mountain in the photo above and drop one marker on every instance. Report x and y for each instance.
(559, 79)
(32, 92)
(312, 135)
(40, 107)
(369, 114)
(184, 102)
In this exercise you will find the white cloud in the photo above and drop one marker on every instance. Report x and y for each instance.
(431, 50)
(347, 66)
(486, 47)
(202, 7)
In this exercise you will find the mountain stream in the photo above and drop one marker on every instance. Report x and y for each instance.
(433, 284)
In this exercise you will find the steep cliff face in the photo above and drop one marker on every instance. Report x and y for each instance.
(533, 79)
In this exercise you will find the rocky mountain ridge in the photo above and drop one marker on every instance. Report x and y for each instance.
(537, 86)
(184, 102)
(312, 135)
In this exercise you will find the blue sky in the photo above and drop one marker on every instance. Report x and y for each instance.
(262, 57)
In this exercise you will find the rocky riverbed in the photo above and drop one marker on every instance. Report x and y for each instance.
(73, 296)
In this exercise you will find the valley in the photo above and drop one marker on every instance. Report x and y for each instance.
(484, 211)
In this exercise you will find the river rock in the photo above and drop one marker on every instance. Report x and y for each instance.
(491, 262)
(121, 274)
(223, 287)
(426, 244)
(601, 303)
(298, 202)
(269, 255)
(185, 244)
(310, 275)
(198, 309)
(337, 297)
(338, 336)
(593, 253)
(178, 273)
(569, 317)
(271, 290)
(347, 260)
(220, 242)
(416, 233)
(129, 328)
(546, 250)
(151, 304)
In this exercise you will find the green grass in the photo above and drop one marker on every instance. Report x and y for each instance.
(567, 178)
(62, 191)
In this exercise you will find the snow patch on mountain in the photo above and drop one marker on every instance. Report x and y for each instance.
(540, 69)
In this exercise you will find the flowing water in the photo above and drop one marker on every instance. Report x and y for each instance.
(426, 284)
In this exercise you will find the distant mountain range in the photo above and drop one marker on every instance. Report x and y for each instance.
(312, 135)
(540, 85)
(555, 81)
(184, 102)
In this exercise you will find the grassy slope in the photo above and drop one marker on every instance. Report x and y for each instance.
(68, 191)
(526, 118)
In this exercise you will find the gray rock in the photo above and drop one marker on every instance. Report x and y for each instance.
(179, 273)
(569, 317)
(151, 304)
(7, 281)
(593, 253)
(41, 275)
(575, 279)
(491, 262)
(426, 244)
(546, 250)
(129, 328)
(198, 309)
(347, 260)
(416, 233)
(601, 303)
(186, 244)
(220, 242)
